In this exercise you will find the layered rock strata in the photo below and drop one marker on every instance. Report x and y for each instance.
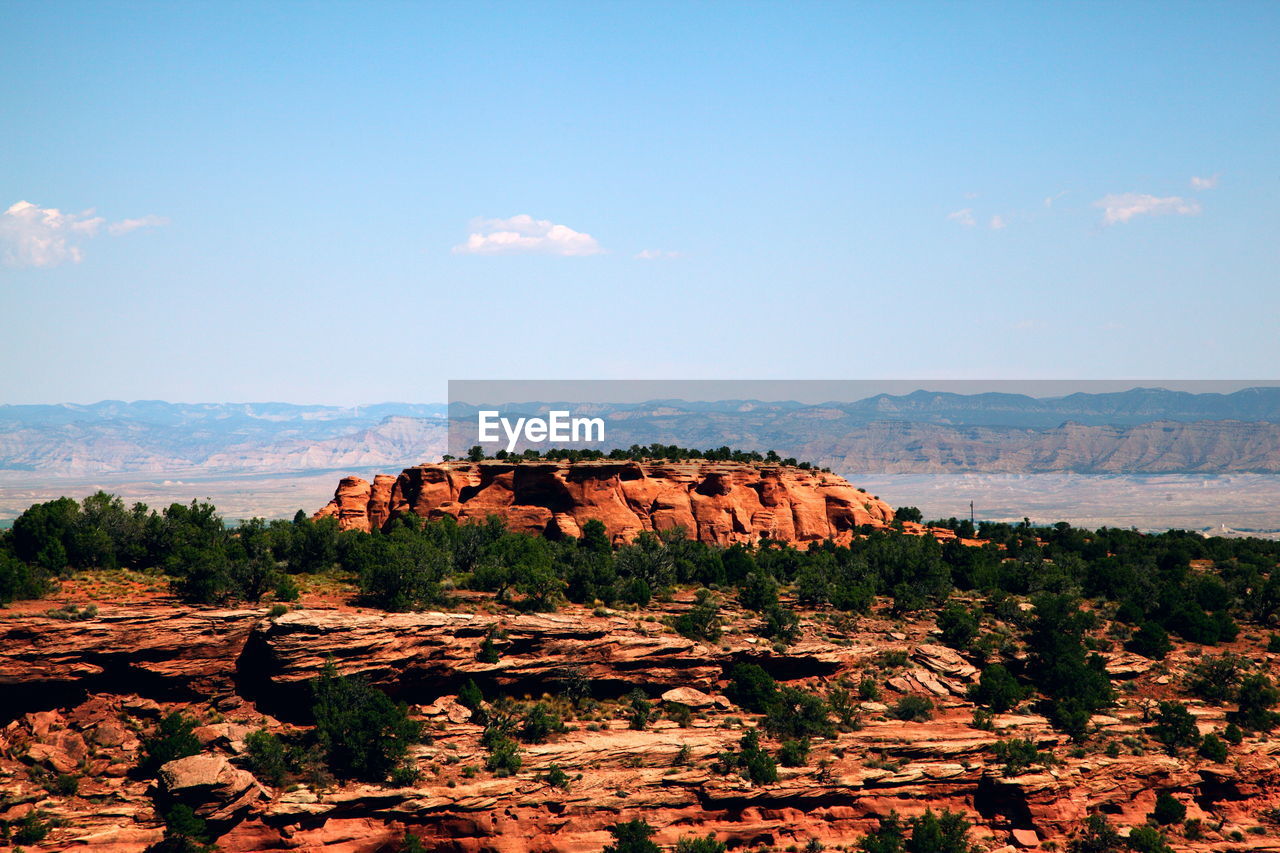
(719, 503)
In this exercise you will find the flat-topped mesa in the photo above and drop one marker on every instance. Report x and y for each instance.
(719, 503)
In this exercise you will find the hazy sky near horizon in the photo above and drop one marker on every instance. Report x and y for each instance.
(347, 203)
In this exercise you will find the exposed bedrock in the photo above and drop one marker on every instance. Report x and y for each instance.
(718, 503)
(168, 653)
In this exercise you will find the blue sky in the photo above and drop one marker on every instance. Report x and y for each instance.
(347, 203)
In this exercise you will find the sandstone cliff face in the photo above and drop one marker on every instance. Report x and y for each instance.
(718, 503)
(359, 505)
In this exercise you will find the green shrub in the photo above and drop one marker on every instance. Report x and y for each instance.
(679, 713)
(404, 775)
(912, 708)
(66, 784)
(1175, 727)
(1096, 836)
(489, 651)
(73, 613)
(1150, 641)
(1213, 748)
(758, 591)
(813, 583)
(983, 720)
(19, 580)
(998, 689)
(752, 688)
(632, 837)
(891, 659)
(31, 828)
(1232, 734)
(201, 574)
(268, 757)
(470, 697)
(798, 714)
(402, 572)
(1216, 679)
(1168, 810)
(888, 838)
(504, 754)
(781, 624)
(286, 589)
(173, 739)
(703, 844)
(841, 703)
(1074, 682)
(641, 710)
(412, 844)
(794, 753)
(702, 621)
(556, 777)
(181, 820)
(363, 733)
(947, 832)
(959, 625)
(1256, 697)
(759, 766)
(1017, 755)
(184, 832)
(539, 723)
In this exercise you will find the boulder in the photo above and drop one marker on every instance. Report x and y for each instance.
(109, 733)
(52, 757)
(1025, 838)
(210, 785)
(228, 736)
(689, 696)
(944, 661)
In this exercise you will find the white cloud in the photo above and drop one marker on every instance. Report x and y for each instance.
(523, 234)
(33, 236)
(964, 216)
(1121, 207)
(1049, 200)
(997, 222)
(1198, 183)
(657, 255)
(124, 226)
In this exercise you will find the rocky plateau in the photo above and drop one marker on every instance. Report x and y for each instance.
(81, 695)
(718, 503)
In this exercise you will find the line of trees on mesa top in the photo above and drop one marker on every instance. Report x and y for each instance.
(1144, 586)
(655, 452)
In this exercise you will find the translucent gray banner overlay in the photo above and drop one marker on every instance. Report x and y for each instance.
(810, 418)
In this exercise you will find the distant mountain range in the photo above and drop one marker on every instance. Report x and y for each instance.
(1143, 430)
(1122, 408)
(178, 438)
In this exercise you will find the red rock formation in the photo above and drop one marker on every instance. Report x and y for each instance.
(667, 774)
(359, 506)
(717, 502)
